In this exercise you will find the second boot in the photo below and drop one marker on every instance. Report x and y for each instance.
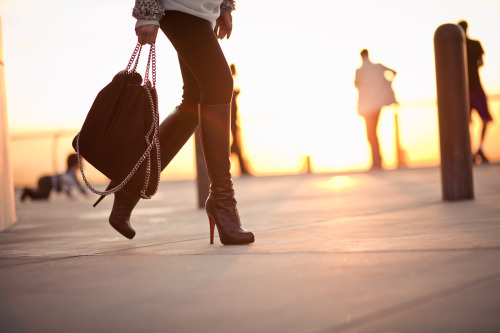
(175, 131)
(215, 123)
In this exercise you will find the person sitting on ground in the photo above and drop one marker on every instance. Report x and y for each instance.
(64, 182)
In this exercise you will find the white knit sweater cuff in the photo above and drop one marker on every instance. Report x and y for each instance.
(141, 22)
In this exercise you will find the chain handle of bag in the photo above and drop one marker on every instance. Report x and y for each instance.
(153, 130)
(152, 64)
(136, 53)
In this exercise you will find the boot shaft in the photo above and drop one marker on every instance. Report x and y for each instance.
(215, 125)
(176, 130)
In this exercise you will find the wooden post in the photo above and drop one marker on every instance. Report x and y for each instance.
(453, 112)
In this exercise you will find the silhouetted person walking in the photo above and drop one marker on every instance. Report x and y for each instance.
(374, 92)
(64, 182)
(236, 146)
(477, 97)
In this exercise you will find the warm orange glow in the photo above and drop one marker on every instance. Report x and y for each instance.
(338, 183)
(297, 93)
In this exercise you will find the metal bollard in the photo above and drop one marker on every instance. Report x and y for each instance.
(202, 180)
(453, 113)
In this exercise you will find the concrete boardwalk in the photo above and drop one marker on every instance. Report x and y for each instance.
(367, 252)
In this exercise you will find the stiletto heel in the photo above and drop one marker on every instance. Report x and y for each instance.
(222, 212)
(102, 196)
(99, 200)
(212, 229)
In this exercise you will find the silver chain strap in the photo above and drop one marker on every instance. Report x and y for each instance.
(154, 131)
(137, 52)
(155, 141)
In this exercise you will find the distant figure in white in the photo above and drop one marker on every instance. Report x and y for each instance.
(374, 84)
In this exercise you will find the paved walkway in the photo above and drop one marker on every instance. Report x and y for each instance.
(367, 252)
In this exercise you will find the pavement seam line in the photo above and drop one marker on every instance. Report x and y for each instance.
(104, 253)
(412, 304)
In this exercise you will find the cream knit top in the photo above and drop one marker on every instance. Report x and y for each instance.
(151, 11)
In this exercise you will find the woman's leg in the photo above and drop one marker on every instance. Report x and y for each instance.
(175, 131)
(177, 128)
(207, 77)
(371, 134)
(205, 72)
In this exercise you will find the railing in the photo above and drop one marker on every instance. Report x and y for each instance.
(40, 151)
(54, 136)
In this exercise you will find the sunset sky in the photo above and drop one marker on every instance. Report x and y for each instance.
(296, 63)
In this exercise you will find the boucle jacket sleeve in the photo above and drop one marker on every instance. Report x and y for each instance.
(148, 10)
(227, 6)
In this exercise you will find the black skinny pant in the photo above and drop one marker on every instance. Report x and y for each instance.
(205, 72)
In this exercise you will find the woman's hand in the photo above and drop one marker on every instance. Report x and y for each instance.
(224, 25)
(146, 34)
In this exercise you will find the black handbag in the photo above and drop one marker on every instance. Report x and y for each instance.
(120, 134)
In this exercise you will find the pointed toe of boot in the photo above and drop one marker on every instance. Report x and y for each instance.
(241, 238)
(119, 218)
(123, 227)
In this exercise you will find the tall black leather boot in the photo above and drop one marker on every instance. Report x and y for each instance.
(215, 123)
(175, 131)
(119, 218)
